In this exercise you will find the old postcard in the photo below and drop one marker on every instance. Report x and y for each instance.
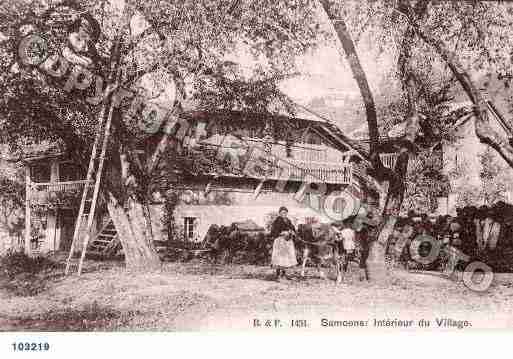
(255, 165)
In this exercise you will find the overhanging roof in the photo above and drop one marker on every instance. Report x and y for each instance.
(323, 126)
(316, 122)
(37, 152)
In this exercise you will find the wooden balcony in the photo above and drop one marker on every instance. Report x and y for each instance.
(308, 162)
(287, 169)
(41, 193)
(388, 159)
(331, 173)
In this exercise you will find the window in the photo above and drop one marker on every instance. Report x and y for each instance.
(189, 224)
(70, 172)
(40, 172)
(311, 220)
(339, 206)
(255, 132)
(312, 139)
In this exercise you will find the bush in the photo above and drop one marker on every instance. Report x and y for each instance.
(23, 275)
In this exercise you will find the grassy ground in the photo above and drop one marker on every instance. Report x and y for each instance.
(196, 296)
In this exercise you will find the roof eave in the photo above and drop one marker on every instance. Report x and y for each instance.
(28, 159)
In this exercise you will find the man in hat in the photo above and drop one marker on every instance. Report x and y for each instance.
(404, 232)
(361, 227)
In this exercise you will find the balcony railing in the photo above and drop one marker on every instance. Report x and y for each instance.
(389, 159)
(59, 186)
(42, 192)
(250, 162)
(312, 172)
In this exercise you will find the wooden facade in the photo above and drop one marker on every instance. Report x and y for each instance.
(303, 151)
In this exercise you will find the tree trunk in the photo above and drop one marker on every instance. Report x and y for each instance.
(397, 183)
(133, 224)
(129, 190)
(358, 73)
(394, 199)
(394, 177)
(130, 215)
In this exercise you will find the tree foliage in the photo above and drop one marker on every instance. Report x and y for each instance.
(495, 178)
(425, 182)
(193, 41)
(12, 197)
(154, 44)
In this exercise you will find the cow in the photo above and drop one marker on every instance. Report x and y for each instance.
(334, 246)
(320, 246)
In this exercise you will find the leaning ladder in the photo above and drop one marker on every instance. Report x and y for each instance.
(94, 174)
(90, 193)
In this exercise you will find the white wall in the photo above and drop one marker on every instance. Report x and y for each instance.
(243, 207)
(465, 150)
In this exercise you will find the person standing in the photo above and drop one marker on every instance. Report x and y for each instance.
(362, 235)
(284, 252)
(455, 229)
(480, 222)
(348, 235)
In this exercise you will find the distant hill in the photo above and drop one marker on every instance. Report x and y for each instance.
(346, 112)
(499, 91)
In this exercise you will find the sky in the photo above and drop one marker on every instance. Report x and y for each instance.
(326, 73)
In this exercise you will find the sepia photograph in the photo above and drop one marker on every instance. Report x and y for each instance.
(255, 166)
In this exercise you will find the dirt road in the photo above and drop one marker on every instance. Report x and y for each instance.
(198, 296)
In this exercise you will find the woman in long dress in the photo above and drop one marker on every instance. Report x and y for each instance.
(284, 253)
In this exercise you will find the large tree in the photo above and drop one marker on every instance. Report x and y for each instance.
(453, 30)
(421, 98)
(12, 198)
(186, 43)
(449, 41)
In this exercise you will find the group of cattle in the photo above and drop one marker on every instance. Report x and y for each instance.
(319, 244)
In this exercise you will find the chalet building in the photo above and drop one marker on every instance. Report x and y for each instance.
(233, 167)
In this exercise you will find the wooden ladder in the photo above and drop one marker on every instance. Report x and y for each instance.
(90, 193)
(94, 172)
